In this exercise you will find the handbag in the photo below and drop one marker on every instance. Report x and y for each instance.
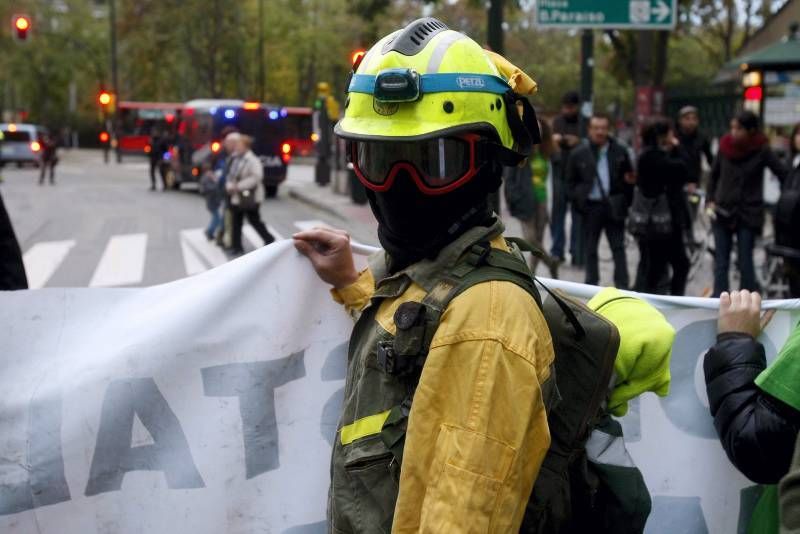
(618, 204)
(650, 217)
(247, 199)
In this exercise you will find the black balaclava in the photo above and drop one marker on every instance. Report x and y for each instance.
(413, 226)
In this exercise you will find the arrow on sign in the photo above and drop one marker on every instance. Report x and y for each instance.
(662, 11)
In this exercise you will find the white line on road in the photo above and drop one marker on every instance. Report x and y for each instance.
(199, 254)
(42, 260)
(251, 235)
(122, 262)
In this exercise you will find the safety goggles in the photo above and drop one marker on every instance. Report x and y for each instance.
(436, 165)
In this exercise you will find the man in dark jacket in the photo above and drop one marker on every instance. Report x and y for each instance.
(600, 178)
(12, 270)
(756, 408)
(694, 145)
(566, 136)
(736, 194)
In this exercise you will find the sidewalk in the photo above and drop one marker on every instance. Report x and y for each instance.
(301, 186)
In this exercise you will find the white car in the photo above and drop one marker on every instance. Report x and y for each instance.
(21, 143)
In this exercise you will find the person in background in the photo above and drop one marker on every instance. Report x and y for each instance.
(209, 188)
(736, 197)
(49, 158)
(694, 145)
(787, 217)
(566, 136)
(157, 148)
(756, 408)
(526, 195)
(245, 186)
(661, 170)
(223, 165)
(600, 179)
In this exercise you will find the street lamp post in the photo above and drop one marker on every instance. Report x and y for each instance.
(112, 20)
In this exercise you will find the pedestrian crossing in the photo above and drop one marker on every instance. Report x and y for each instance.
(42, 260)
(123, 260)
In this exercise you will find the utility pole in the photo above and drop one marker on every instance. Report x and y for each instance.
(261, 88)
(112, 20)
(587, 78)
(494, 38)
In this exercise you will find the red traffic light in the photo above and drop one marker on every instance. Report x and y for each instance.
(104, 98)
(753, 93)
(104, 137)
(21, 24)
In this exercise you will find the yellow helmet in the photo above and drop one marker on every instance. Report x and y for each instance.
(427, 81)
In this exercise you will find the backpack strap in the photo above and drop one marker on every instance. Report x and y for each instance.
(417, 322)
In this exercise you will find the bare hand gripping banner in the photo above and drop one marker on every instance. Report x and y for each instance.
(209, 405)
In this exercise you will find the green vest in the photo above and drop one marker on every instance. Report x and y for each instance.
(383, 371)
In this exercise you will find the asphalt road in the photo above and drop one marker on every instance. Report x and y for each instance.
(99, 225)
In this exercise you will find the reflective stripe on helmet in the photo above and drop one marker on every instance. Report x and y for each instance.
(361, 428)
(440, 50)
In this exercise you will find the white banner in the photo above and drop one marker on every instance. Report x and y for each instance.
(209, 404)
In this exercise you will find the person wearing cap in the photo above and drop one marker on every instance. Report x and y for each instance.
(443, 427)
(694, 145)
(566, 136)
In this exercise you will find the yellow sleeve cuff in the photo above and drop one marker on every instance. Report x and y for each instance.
(356, 295)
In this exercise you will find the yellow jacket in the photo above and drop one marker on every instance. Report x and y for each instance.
(477, 431)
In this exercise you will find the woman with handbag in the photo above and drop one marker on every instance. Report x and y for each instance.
(246, 189)
(736, 197)
(659, 214)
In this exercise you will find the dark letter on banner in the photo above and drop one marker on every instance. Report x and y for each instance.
(254, 384)
(114, 456)
(45, 482)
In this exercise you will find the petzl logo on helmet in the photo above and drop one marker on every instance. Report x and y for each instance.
(470, 82)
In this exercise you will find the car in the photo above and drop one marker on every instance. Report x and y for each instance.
(199, 137)
(21, 143)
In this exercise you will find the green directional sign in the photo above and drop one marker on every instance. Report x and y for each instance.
(617, 14)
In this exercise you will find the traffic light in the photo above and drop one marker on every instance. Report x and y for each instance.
(753, 91)
(21, 24)
(104, 137)
(104, 98)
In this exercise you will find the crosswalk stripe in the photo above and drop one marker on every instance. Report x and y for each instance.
(199, 254)
(122, 262)
(42, 260)
(251, 235)
(275, 233)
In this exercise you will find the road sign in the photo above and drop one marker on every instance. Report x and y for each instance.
(617, 14)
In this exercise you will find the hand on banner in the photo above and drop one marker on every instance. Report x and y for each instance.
(330, 254)
(740, 311)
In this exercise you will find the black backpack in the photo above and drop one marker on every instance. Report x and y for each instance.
(585, 345)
